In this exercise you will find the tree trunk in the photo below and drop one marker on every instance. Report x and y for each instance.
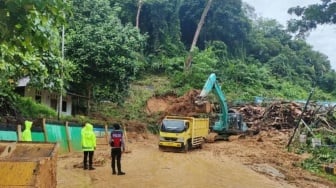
(187, 63)
(138, 14)
(89, 91)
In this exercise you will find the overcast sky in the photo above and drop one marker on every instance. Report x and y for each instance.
(323, 39)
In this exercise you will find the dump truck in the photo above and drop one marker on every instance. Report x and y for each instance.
(183, 133)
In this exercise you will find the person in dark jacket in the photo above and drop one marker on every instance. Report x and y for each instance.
(117, 144)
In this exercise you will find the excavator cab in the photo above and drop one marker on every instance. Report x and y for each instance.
(236, 123)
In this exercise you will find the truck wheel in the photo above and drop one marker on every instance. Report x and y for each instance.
(186, 148)
(161, 148)
(202, 143)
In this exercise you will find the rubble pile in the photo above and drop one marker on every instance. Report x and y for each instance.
(275, 115)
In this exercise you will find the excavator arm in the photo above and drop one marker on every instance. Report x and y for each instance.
(212, 85)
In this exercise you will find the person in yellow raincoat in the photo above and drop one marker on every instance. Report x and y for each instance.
(88, 145)
(26, 134)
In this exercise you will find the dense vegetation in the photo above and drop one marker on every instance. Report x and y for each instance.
(110, 44)
(114, 46)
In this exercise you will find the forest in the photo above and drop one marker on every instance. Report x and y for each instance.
(98, 48)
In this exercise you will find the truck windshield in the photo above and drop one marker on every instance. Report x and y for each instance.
(172, 126)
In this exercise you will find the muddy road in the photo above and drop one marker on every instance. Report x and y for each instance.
(146, 166)
(259, 161)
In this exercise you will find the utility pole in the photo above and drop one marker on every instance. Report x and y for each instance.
(300, 118)
(61, 75)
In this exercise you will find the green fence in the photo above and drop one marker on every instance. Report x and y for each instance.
(68, 137)
(75, 137)
(38, 137)
(57, 133)
(12, 136)
(8, 135)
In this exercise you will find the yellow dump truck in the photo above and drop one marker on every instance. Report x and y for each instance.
(183, 133)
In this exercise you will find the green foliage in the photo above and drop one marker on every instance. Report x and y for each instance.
(160, 20)
(319, 156)
(134, 107)
(225, 22)
(311, 16)
(31, 109)
(255, 58)
(30, 41)
(249, 57)
(107, 53)
(204, 63)
(125, 9)
(287, 59)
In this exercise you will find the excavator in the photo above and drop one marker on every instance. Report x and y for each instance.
(228, 121)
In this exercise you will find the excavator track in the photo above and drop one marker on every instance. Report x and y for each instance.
(211, 137)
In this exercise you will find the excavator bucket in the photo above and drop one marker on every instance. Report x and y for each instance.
(204, 107)
(28, 164)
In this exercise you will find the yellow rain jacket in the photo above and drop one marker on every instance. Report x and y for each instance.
(88, 138)
(26, 134)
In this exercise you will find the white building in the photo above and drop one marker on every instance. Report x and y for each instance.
(50, 99)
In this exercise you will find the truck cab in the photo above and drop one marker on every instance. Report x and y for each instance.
(174, 125)
(182, 133)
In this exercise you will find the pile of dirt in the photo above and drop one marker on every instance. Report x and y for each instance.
(135, 126)
(170, 104)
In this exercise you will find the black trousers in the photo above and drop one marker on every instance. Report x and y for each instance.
(86, 155)
(116, 156)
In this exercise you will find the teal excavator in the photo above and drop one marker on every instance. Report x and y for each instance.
(228, 122)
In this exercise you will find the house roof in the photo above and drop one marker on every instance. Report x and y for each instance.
(23, 82)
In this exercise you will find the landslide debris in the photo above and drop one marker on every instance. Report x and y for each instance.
(274, 115)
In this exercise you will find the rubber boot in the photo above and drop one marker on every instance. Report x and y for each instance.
(121, 173)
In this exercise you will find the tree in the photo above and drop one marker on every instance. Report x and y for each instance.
(225, 22)
(187, 64)
(126, 10)
(30, 42)
(161, 23)
(312, 16)
(107, 53)
(138, 14)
